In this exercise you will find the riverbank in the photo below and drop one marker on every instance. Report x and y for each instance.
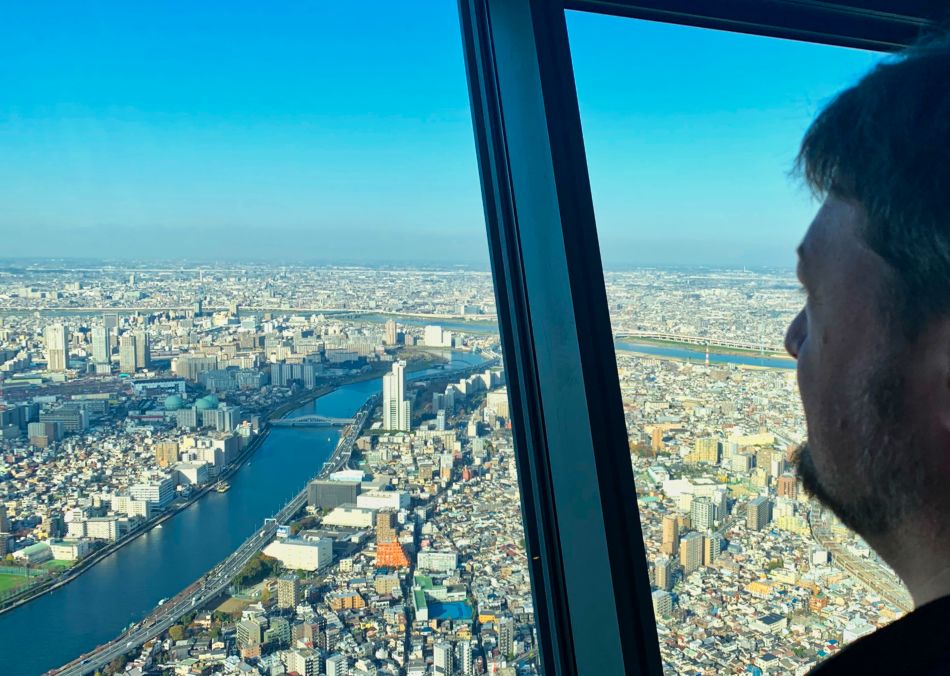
(713, 349)
(85, 564)
(51, 584)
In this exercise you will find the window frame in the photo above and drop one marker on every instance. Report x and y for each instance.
(586, 557)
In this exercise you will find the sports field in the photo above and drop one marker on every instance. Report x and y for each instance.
(8, 582)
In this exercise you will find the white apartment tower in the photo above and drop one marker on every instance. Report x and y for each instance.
(397, 411)
(443, 659)
(57, 347)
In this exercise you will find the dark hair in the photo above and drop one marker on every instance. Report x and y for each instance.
(885, 144)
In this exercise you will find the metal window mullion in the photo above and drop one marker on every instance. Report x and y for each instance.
(594, 612)
(884, 25)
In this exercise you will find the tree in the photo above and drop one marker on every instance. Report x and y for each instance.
(176, 632)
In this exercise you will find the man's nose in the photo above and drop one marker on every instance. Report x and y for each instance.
(795, 334)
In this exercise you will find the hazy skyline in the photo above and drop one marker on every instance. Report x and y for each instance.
(324, 133)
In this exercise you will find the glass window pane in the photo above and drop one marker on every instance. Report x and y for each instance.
(225, 237)
(691, 136)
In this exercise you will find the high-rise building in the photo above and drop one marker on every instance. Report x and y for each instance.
(110, 321)
(691, 552)
(706, 449)
(758, 513)
(337, 666)
(786, 487)
(127, 353)
(304, 661)
(166, 453)
(662, 603)
(385, 527)
(327, 494)
(670, 543)
(4, 521)
(391, 335)
(397, 413)
(712, 547)
(143, 351)
(57, 347)
(466, 659)
(101, 352)
(289, 591)
(702, 513)
(663, 572)
(443, 662)
(506, 636)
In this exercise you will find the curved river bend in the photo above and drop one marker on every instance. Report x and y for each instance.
(125, 586)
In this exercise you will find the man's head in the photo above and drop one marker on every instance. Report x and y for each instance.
(873, 341)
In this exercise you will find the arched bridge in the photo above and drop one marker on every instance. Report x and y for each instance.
(312, 421)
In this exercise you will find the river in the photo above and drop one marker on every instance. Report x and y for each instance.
(700, 355)
(125, 586)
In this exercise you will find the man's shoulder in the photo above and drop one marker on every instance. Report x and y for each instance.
(916, 643)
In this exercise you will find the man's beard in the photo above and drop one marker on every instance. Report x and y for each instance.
(886, 485)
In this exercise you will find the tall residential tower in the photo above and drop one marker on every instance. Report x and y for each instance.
(397, 410)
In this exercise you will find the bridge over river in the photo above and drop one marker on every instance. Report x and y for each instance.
(312, 421)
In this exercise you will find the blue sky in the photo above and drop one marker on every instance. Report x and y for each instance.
(325, 131)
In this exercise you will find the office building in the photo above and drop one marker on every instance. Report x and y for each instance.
(434, 336)
(438, 562)
(397, 410)
(298, 554)
(691, 552)
(72, 418)
(443, 662)
(127, 353)
(289, 591)
(758, 513)
(670, 543)
(324, 494)
(101, 352)
(110, 322)
(393, 500)
(56, 337)
(159, 492)
(143, 351)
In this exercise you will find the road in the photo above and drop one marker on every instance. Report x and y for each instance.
(219, 578)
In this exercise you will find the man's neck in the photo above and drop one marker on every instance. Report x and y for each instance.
(921, 559)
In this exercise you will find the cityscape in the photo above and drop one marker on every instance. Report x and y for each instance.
(298, 470)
